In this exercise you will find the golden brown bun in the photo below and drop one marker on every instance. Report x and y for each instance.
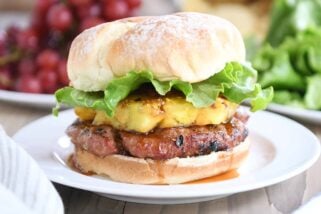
(173, 171)
(186, 46)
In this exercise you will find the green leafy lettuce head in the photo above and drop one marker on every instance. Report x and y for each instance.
(200, 55)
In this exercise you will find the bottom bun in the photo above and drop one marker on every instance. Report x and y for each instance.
(172, 171)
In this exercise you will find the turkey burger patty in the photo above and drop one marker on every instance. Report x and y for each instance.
(160, 143)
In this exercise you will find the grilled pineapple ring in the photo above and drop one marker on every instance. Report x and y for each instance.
(142, 114)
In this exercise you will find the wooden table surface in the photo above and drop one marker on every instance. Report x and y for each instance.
(280, 198)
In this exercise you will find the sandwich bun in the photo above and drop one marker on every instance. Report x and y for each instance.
(172, 171)
(187, 46)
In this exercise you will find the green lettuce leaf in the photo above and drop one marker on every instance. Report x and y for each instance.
(73, 97)
(290, 59)
(290, 17)
(236, 82)
(289, 98)
(312, 97)
(295, 66)
(275, 69)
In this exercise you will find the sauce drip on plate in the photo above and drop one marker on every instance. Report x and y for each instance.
(225, 176)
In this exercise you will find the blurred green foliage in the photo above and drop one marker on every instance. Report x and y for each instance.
(290, 58)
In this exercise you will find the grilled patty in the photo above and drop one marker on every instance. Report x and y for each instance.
(161, 143)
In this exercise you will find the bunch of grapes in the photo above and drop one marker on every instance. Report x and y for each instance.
(33, 59)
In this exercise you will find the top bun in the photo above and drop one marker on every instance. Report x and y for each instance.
(186, 46)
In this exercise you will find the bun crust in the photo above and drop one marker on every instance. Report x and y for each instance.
(186, 46)
(173, 171)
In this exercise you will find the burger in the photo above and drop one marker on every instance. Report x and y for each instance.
(157, 98)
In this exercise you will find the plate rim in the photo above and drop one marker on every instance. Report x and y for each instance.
(260, 184)
(295, 112)
(28, 98)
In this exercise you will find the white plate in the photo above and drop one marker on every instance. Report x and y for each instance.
(297, 113)
(280, 149)
(39, 100)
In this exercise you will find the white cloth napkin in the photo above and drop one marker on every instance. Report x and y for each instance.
(24, 188)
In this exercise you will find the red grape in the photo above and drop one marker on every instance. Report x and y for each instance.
(48, 59)
(2, 44)
(28, 84)
(36, 54)
(62, 72)
(90, 22)
(79, 2)
(28, 39)
(5, 78)
(116, 9)
(49, 80)
(26, 66)
(38, 24)
(133, 3)
(55, 39)
(12, 35)
(59, 17)
(42, 6)
(93, 10)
